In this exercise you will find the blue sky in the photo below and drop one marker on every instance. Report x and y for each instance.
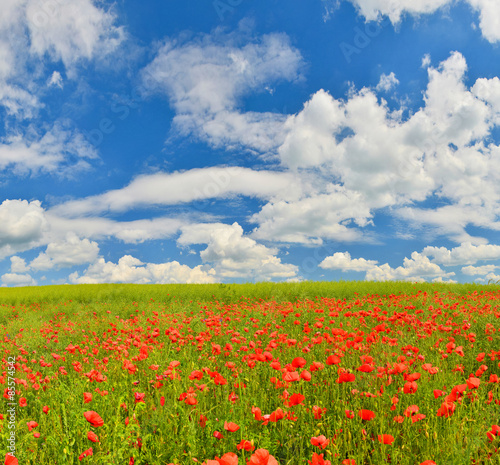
(238, 140)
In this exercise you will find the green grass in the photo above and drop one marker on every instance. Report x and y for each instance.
(279, 292)
(114, 325)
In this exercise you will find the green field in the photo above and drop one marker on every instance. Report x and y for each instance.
(303, 373)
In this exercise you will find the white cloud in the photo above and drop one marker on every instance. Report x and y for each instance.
(59, 151)
(18, 265)
(489, 18)
(14, 279)
(343, 261)
(63, 254)
(426, 61)
(183, 187)
(465, 254)
(206, 77)
(373, 10)
(131, 270)
(478, 270)
(71, 30)
(63, 30)
(234, 255)
(55, 80)
(22, 225)
(442, 150)
(387, 82)
(313, 218)
(417, 268)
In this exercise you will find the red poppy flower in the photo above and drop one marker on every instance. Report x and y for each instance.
(428, 462)
(93, 418)
(262, 457)
(86, 453)
(333, 360)
(244, 444)
(36, 435)
(318, 412)
(385, 438)
(348, 462)
(10, 460)
(349, 414)
(495, 431)
(230, 458)
(295, 399)
(320, 441)
(45, 409)
(139, 397)
(438, 393)
(91, 436)
(318, 459)
(417, 417)
(87, 397)
(399, 419)
(366, 415)
(290, 377)
(23, 402)
(218, 435)
(473, 383)
(410, 387)
(411, 410)
(346, 378)
(446, 409)
(306, 376)
(366, 368)
(299, 362)
(230, 426)
(32, 425)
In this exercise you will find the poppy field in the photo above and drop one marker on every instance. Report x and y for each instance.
(359, 377)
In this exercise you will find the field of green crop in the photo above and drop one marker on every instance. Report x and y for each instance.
(307, 373)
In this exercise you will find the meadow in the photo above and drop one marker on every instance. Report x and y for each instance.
(314, 373)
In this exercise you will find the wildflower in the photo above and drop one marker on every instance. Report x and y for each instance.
(262, 457)
(230, 426)
(366, 415)
(86, 453)
(320, 441)
(91, 436)
(93, 418)
(32, 425)
(385, 438)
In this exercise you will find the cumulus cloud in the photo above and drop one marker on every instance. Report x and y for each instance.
(311, 219)
(343, 261)
(234, 255)
(373, 10)
(418, 268)
(205, 78)
(63, 254)
(18, 265)
(131, 270)
(478, 270)
(15, 279)
(442, 150)
(465, 254)
(387, 82)
(22, 225)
